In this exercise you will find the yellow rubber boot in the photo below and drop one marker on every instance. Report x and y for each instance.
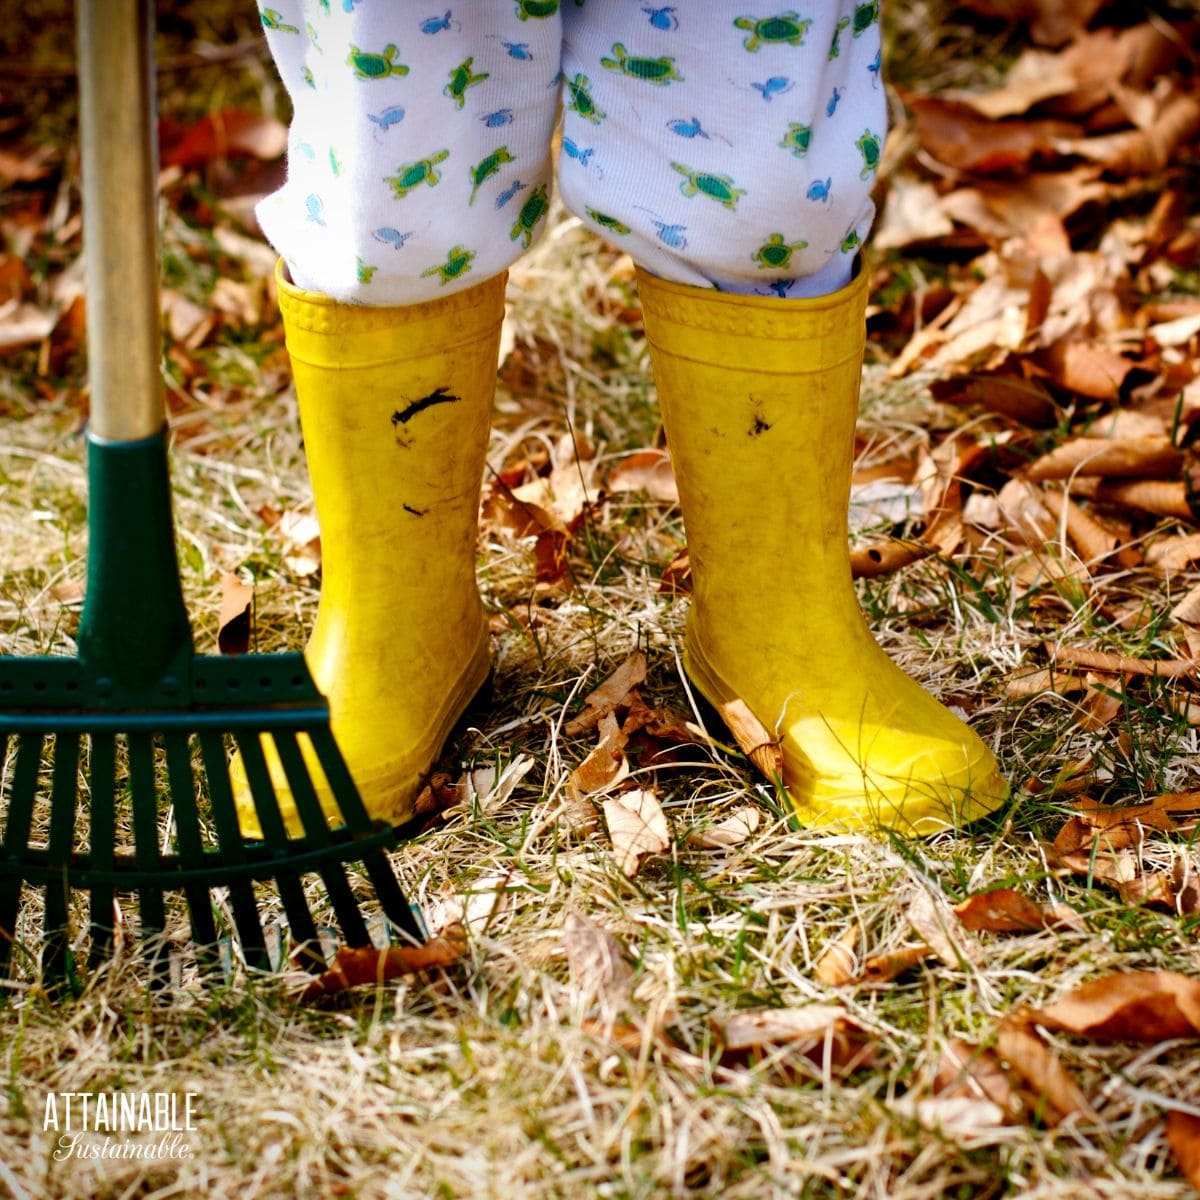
(395, 406)
(759, 398)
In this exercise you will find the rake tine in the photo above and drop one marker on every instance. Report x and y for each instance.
(233, 850)
(191, 847)
(145, 845)
(354, 929)
(387, 888)
(16, 835)
(392, 900)
(102, 854)
(63, 796)
(304, 930)
(340, 781)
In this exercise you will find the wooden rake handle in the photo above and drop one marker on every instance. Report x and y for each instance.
(120, 227)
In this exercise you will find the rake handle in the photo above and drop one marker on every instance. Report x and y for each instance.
(120, 228)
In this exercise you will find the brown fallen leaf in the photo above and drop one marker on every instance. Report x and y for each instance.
(1183, 1136)
(611, 693)
(975, 1072)
(1163, 497)
(1101, 703)
(883, 968)
(1140, 1006)
(220, 135)
(599, 963)
(647, 471)
(1170, 555)
(885, 558)
(1002, 910)
(1037, 1064)
(302, 542)
(1134, 458)
(1092, 540)
(1086, 368)
(957, 1117)
(1024, 400)
(838, 963)
(1051, 22)
(933, 920)
(606, 765)
(816, 1031)
(637, 827)
(1044, 679)
(954, 134)
(363, 965)
(677, 575)
(1119, 664)
(1142, 151)
(236, 617)
(726, 834)
(752, 737)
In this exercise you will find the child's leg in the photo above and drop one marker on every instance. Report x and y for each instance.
(731, 153)
(418, 170)
(418, 156)
(725, 149)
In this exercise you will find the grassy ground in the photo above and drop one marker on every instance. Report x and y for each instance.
(528, 1069)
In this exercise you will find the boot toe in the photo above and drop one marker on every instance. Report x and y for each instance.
(894, 779)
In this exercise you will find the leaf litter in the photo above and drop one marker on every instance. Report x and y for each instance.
(1056, 336)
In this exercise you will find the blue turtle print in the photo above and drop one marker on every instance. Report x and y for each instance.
(687, 129)
(669, 235)
(573, 151)
(389, 117)
(662, 18)
(775, 86)
(491, 71)
(433, 25)
(391, 237)
(509, 192)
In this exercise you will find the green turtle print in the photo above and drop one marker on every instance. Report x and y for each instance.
(273, 19)
(580, 91)
(797, 139)
(488, 166)
(658, 102)
(537, 9)
(703, 183)
(653, 70)
(609, 223)
(461, 78)
(375, 66)
(532, 211)
(411, 175)
(870, 147)
(784, 29)
(458, 263)
(775, 254)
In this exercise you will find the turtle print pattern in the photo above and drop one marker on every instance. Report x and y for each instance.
(729, 144)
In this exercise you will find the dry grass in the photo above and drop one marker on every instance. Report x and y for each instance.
(510, 1075)
(497, 1078)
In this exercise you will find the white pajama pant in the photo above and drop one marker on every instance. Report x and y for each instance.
(722, 144)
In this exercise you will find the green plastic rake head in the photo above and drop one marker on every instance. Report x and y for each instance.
(114, 771)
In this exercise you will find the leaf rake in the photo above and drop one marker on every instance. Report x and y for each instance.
(141, 721)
